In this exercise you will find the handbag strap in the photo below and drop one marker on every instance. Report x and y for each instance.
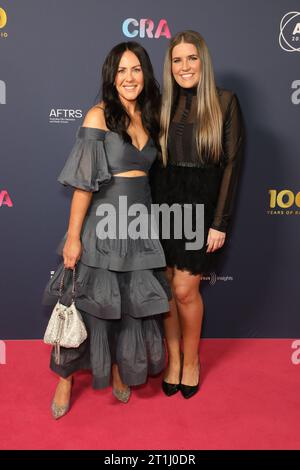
(61, 284)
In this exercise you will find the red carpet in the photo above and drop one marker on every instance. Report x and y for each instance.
(249, 399)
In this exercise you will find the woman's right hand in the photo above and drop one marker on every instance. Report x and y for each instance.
(72, 252)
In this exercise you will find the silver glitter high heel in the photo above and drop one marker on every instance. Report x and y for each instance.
(59, 411)
(122, 395)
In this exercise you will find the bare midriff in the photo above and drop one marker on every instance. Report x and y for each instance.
(131, 173)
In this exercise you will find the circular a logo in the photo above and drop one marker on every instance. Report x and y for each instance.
(290, 32)
(3, 18)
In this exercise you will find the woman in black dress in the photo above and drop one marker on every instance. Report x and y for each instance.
(201, 141)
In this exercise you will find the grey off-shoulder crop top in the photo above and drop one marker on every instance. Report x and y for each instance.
(97, 155)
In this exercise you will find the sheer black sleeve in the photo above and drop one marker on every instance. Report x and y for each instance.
(233, 143)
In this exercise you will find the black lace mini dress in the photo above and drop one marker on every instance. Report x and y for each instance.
(185, 180)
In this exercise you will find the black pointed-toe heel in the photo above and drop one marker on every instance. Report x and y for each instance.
(187, 391)
(170, 389)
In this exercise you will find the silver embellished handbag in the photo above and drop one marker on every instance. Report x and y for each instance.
(65, 327)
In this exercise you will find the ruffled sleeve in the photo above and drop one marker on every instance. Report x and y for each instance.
(87, 167)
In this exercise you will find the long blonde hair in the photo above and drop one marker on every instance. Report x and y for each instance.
(208, 128)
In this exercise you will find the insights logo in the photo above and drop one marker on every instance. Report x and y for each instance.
(5, 199)
(289, 36)
(283, 202)
(2, 352)
(145, 28)
(2, 92)
(212, 278)
(64, 116)
(295, 97)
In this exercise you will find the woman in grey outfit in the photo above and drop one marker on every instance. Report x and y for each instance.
(121, 291)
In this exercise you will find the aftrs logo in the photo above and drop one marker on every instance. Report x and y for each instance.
(145, 28)
(2, 92)
(5, 199)
(61, 115)
(289, 36)
(295, 97)
(2, 352)
(295, 357)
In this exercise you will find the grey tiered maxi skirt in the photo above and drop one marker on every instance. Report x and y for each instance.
(121, 292)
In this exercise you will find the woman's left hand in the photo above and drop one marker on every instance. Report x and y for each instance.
(215, 240)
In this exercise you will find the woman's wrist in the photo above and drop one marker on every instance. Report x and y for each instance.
(74, 237)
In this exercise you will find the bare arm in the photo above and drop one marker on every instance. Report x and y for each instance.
(80, 203)
(79, 206)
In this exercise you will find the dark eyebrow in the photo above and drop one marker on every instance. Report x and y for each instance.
(133, 67)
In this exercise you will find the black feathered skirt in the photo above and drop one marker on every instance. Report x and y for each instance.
(187, 185)
(121, 290)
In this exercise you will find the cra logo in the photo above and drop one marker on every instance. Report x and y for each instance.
(5, 199)
(145, 27)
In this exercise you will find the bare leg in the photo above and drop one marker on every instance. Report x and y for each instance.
(173, 336)
(190, 308)
(116, 379)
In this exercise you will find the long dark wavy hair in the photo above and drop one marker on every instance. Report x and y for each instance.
(116, 117)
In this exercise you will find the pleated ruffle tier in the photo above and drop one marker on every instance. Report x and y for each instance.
(135, 344)
(109, 294)
(121, 292)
